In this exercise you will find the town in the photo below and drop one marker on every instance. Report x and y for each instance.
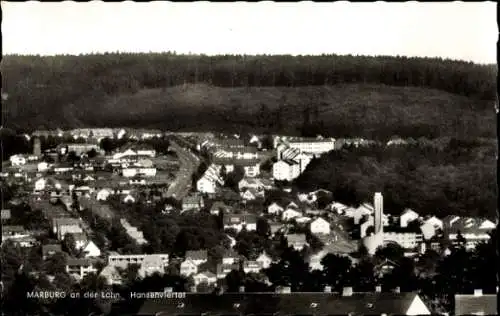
(148, 210)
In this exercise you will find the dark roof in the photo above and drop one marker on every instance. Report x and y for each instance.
(470, 304)
(285, 304)
(51, 247)
(196, 254)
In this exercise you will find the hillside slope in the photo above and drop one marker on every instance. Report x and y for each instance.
(70, 91)
(345, 110)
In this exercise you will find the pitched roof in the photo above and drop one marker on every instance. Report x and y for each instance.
(292, 303)
(196, 254)
(470, 304)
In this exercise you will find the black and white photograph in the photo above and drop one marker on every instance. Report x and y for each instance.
(239, 158)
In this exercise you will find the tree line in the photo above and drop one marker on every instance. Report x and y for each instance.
(71, 87)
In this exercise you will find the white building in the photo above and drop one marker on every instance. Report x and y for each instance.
(40, 184)
(313, 146)
(90, 250)
(42, 166)
(286, 170)
(320, 227)
(407, 240)
(240, 221)
(80, 267)
(205, 277)
(103, 194)
(188, 267)
(210, 180)
(264, 260)
(274, 208)
(407, 216)
(17, 160)
(290, 214)
(250, 266)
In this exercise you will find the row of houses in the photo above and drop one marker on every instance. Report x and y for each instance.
(100, 133)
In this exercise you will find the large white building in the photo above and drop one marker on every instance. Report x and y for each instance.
(286, 170)
(210, 180)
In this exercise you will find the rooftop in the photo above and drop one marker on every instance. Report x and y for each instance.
(292, 303)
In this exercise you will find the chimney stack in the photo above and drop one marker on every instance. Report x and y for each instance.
(397, 289)
(478, 292)
(242, 289)
(347, 291)
(378, 289)
(328, 289)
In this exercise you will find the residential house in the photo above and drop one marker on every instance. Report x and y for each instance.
(314, 260)
(6, 214)
(64, 225)
(210, 180)
(205, 277)
(358, 213)
(407, 216)
(240, 221)
(296, 241)
(428, 230)
(435, 222)
(264, 260)
(197, 256)
(188, 267)
(337, 207)
(103, 194)
(470, 229)
(80, 240)
(17, 160)
(111, 274)
(250, 183)
(251, 194)
(80, 267)
(230, 257)
(40, 184)
(303, 220)
(129, 198)
(144, 172)
(290, 214)
(219, 206)
(286, 170)
(292, 205)
(224, 269)
(476, 304)
(42, 166)
(251, 266)
(25, 241)
(153, 263)
(193, 202)
(133, 232)
(320, 227)
(274, 208)
(50, 250)
(90, 250)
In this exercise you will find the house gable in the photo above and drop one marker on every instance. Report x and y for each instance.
(417, 307)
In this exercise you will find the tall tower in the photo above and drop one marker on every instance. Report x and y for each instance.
(378, 202)
(37, 147)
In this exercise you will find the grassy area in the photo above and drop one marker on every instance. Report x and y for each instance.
(360, 109)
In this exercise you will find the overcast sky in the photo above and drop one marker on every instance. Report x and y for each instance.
(455, 30)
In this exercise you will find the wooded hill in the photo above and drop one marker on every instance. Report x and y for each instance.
(354, 95)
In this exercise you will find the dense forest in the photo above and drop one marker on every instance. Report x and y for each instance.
(448, 177)
(354, 95)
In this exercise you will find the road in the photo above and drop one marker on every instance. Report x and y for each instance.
(189, 163)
